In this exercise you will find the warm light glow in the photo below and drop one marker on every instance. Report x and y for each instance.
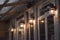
(34, 22)
(30, 21)
(31, 25)
(12, 30)
(42, 21)
(20, 29)
(56, 13)
(22, 25)
(51, 11)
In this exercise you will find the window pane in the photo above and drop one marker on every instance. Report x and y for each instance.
(31, 33)
(5, 9)
(19, 35)
(28, 34)
(11, 35)
(50, 23)
(2, 1)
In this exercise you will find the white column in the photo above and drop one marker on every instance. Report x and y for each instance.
(25, 28)
(36, 24)
(46, 30)
(57, 20)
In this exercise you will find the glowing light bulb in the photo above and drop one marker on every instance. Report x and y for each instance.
(30, 21)
(12, 30)
(52, 11)
(22, 25)
(42, 21)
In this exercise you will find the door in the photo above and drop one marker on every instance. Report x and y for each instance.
(46, 26)
(20, 35)
(42, 29)
(50, 27)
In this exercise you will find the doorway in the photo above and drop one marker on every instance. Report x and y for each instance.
(46, 27)
(42, 29)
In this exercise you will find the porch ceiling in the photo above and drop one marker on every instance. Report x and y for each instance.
(8, 8)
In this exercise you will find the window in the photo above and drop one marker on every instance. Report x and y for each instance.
(50, 25)
(42, 29)
(19, 36)
(31, 33)
(11, 35)
(27, 33)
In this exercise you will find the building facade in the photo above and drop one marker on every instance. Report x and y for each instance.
(40, 22)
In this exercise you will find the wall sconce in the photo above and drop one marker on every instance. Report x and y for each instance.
(52, 9)
(12, 30)
(52, 12)
(42, 21)
(31, 22)
(21, 28)
(22, 25)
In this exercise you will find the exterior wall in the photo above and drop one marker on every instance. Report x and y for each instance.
(3, 30)
(36, 11)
